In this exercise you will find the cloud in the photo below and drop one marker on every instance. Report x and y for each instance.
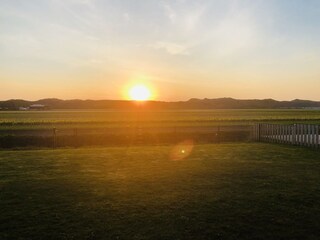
(200, 25)
(184, 15)
(170, 13)
(235, 33)
(88, 3)
(172, 48)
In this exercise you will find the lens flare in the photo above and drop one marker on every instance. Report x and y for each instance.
(182, 150)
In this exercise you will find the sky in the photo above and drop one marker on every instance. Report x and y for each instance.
(181, 49)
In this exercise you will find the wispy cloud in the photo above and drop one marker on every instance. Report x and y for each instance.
(171, 48)
(234, 33)
(170, 12)
(185, 15)
(200, 25)
(87, 3)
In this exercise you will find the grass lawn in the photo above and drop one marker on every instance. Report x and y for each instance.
(222, 191)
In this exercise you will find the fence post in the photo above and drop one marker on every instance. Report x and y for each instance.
(314, 130)
(312, 136)
(254, 132)
(314, 144)
(306, 135)
(296, 127)
(300, 135)
(305, 130)
(309, 135)
(302, 126)
(287, 134)
(75, 133)
(317, 136)
(293, 134)
(270, 132)
(54, 138)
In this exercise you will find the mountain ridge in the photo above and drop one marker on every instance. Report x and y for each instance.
(192, 103)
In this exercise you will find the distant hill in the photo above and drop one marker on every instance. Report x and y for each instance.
(217, 103)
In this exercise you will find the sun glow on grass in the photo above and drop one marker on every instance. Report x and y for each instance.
(139, 93)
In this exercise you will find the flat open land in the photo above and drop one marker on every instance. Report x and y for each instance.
(220, 191)
(114, 127)
(148, 118)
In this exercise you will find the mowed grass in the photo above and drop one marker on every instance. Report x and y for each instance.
(221, 191)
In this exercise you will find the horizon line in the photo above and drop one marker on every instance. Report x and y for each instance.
(154, 100)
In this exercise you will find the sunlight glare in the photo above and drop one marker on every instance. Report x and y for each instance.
(139, 93)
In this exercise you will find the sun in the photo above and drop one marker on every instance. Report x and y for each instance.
(139, 93)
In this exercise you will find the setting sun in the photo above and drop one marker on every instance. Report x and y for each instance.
(139, 93)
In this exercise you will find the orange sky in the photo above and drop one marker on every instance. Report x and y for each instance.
(181, 49)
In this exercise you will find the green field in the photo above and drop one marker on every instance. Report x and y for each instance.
(113, 118)
(36, 129)
(221, 191)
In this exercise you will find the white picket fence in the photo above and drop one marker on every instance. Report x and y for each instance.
(297, 134)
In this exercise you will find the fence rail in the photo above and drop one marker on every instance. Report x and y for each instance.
(78, 137)
(307, 135)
